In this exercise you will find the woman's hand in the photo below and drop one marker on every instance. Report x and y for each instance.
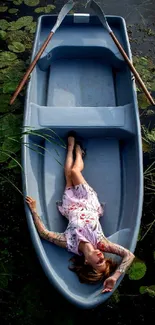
(109, 284)
(31, 203)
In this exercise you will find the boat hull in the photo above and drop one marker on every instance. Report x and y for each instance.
(81, 82)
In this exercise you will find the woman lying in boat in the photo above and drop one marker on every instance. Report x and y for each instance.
(84, 235)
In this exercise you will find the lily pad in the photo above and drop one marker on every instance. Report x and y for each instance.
(13, 11)
(22, 36)
(3, 8)
(137, 270)
(17, 2)
(31, 3)
(143, 101)
(16, 47)
(20, 23)
(46, 10)
(9, 87)
(150, 290)
(6, 58)
(32, 27)
(4, 24)
(3, 35)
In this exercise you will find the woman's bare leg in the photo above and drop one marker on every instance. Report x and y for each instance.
(69, 161)
(76, 175)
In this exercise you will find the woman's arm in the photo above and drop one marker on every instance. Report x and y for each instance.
(54, 237)
(127, 258)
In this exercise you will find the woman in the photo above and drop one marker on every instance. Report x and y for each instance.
(84, 235)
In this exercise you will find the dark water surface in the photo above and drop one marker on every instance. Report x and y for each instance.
(26, 297)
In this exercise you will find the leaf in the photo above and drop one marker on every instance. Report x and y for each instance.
(146, 146)
(3, 34)
(16, 47)
(4, 24)
(151, 135)
(9, 87)
(4, 106)
(12, 164)
(31, 27)
(9, 126)
(17, 2)
(6, 58)
(143, 101)
(31, 3)
(148, 289)
(137, 270)
(20, 23)
(22, 37)
(46, 10)
(13, 11)
(3, 9)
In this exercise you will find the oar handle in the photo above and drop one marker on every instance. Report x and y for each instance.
(31, 67)
(132, 68)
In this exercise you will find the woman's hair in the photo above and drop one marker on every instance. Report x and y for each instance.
(87, 274)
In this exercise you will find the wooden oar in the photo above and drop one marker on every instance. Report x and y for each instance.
(99, 12)
(64, 11)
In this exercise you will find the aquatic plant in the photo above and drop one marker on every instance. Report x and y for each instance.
(31, 3)
(45, 10)
(150, 290)
(3, 8)
(137, 270)
(13, 10)
(4, 24)
(16, 47)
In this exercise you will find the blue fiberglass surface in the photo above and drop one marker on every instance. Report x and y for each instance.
(81, 82)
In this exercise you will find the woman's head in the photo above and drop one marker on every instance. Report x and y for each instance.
(94, 270)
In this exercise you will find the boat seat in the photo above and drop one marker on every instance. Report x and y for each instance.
(78, 117)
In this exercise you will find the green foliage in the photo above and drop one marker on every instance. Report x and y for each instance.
(115, 298)
(143, 101)
(137, 270)
(6, 58)
(4, 103)
(16, 47)
(31, 3)
(146, 69)
(13, 11)
(4, 24)
(149, 290)
(17, 2)
(22, 36)
(9, 135)
(3, 8)
(11, 75)
(20, 23)
(148, 139)
(45, 10)
(3, 35)
(32, 27)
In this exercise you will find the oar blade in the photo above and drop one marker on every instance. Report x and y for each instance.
(63, 12)
(99, 12)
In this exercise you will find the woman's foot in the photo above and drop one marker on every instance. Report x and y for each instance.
(80, 150)
(71, 140)
(71, 143)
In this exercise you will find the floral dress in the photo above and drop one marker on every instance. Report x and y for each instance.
(80, 205)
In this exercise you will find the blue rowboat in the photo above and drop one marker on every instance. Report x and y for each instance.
(81, 82)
